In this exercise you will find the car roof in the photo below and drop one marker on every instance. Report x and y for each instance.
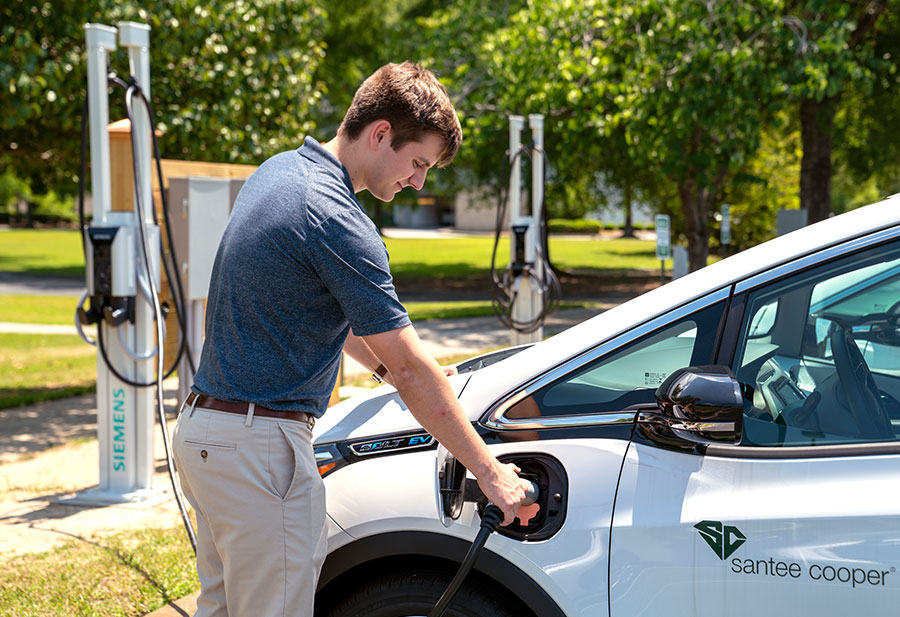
(493, 382)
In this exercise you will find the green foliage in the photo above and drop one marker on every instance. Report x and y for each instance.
(768, 182)
(581, 226)
(231, 79)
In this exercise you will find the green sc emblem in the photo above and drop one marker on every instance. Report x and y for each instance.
(722, 539)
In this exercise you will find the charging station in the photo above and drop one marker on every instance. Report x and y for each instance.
(119, 283)
(528, 290)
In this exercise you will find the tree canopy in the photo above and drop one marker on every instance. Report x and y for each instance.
(232, 80)
(681, 104)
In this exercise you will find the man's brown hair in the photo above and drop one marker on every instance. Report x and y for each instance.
(412, 100)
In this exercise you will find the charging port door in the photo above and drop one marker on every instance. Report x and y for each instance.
(553, 484)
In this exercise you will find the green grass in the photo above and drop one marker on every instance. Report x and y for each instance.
(42, 252)
(56, 252)
(59, 310)
(471, 257)
(123, 575)
(54, 310)
(38, 367)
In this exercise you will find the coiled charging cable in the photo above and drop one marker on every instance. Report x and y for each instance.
(490, 520)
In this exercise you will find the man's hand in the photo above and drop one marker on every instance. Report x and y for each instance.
(449, 370)
(505, 489)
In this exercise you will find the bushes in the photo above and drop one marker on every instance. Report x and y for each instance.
(574, 226)
(587, 226)
(19, 206)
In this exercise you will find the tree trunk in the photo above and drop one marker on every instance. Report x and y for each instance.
(816, 128)
(695, 206)
(628, 232)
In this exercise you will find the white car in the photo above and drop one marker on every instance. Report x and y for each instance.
(726, 444)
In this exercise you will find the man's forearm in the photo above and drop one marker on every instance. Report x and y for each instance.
(429, 397)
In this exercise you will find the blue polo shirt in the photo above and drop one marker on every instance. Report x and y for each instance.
(299, 265)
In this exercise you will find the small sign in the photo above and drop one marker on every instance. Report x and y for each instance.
(725, 230)
(663, 241)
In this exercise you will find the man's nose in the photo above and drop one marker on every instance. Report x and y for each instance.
(417, 180)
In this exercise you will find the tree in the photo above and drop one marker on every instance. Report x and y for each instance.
(830, 52)
(697, 85)
(231, 80)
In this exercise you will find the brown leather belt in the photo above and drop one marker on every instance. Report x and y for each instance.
(209, 402)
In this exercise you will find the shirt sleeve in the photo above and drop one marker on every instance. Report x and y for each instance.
(351, 260)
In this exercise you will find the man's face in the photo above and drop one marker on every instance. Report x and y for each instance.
(396, 169)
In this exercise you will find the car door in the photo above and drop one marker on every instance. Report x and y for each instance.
(802, 515)
(582, 416)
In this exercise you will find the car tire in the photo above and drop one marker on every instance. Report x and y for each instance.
(414, 594)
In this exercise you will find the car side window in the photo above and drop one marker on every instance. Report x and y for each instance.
(819, 354)
(627, 376)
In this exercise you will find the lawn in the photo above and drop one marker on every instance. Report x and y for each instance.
(124, 575)
(43, 252)
(54, 310)
(52, 252)
(471, 257)
(37, 367)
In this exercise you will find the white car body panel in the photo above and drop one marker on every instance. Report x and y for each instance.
(380, 411)
(812, 512)
(561, 565)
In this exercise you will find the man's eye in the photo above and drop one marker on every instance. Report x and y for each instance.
(417, 164)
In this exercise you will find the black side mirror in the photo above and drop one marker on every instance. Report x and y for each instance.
(697, 405)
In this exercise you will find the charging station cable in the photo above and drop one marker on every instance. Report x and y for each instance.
(490, 520)
(135, 90)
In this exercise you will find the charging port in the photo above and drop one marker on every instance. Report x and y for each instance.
(550, 477)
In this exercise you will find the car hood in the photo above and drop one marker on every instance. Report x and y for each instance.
(380, 411)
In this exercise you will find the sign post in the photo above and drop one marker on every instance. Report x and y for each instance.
(725, 229)
(663, 242)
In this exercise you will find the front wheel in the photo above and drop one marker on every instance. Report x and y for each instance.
(414, 594)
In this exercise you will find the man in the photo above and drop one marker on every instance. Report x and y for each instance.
(300, 266)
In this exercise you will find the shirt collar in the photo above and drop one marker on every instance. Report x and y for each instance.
(315, 152)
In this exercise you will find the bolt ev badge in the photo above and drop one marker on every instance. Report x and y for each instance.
(407, 442)
(722, 539)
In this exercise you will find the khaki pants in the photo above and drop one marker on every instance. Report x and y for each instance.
(260, 504)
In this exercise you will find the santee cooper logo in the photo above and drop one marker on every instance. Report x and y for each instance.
(722, 539)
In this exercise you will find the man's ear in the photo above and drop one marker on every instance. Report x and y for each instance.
(379, 132)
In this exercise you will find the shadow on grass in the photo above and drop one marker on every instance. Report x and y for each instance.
(130, 561)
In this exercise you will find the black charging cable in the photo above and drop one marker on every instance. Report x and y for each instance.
(490, 520)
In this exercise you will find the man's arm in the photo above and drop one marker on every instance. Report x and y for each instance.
(357, 349)
(426, 391)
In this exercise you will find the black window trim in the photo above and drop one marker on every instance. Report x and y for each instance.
(792, 452)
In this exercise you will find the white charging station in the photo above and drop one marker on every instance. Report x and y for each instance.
(116, 270)
(524, 236)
